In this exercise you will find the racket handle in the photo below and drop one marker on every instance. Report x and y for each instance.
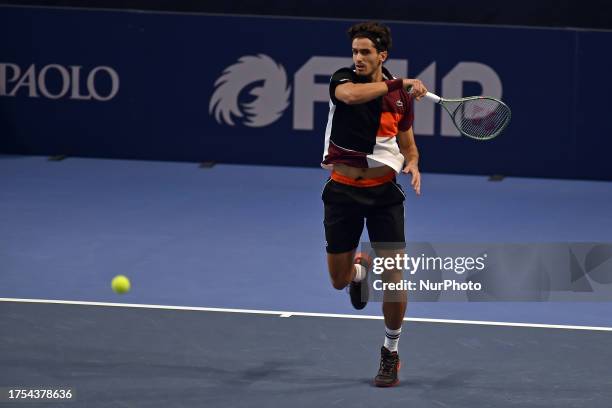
(432, 97)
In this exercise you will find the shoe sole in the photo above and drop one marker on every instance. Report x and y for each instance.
(384, 385)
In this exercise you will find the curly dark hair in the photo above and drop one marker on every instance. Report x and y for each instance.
(378, 33)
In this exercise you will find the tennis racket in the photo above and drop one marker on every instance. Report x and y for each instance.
(478, 117)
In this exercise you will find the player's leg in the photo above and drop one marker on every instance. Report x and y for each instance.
(344, 220)
(341, 268)
(386, 230)
(394, 309)
(343, 226)
(394, 301)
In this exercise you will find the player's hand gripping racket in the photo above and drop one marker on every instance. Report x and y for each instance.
(478, 117)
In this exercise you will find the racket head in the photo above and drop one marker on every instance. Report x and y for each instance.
(479, 117)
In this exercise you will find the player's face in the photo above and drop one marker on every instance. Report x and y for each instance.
(366, 58)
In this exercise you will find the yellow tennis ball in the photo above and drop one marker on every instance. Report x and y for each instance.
(120, 284)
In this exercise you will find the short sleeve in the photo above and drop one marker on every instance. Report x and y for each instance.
(405, 123)
(341, 76)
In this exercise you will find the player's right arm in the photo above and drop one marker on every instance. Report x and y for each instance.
(352, 93)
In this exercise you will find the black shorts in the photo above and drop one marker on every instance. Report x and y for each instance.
(346, 207)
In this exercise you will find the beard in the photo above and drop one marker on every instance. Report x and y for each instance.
(368, 73)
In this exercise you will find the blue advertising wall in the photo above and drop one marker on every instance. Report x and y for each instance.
(253, 90)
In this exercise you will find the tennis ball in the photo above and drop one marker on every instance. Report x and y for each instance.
(120, 284)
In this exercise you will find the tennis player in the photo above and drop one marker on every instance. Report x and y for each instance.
(368, 140)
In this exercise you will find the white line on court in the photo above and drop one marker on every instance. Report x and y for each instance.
(304, 314)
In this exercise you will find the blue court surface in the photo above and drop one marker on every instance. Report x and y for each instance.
(231, 303)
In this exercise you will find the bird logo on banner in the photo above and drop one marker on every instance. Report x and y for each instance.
(258, 78)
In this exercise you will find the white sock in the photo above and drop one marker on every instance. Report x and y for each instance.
(392, 338)
(360, 273)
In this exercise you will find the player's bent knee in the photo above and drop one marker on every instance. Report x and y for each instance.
(340, 268)
(339, 284)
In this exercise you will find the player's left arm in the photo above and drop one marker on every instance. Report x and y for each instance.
(409, 150)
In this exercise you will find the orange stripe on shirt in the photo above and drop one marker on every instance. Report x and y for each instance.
(388, 123)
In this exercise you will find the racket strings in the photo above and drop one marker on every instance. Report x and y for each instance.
(482, 118)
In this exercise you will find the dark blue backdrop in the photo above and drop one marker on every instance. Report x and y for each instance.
(167, 66)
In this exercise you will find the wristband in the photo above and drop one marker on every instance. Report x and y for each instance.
(394, 84)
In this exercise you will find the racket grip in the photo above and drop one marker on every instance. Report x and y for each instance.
(432, 97)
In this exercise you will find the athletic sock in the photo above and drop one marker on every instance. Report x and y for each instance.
(392, 338)
(360, 273)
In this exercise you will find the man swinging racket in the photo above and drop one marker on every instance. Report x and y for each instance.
(368, 140)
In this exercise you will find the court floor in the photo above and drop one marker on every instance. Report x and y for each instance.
(224, 240)
(132, 357)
